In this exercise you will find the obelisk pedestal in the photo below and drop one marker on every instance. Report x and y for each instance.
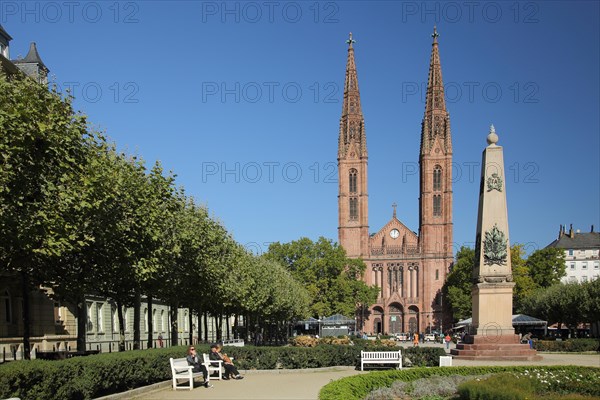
(492, 336)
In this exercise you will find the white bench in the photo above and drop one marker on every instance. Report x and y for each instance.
(211, 368)
(380, 357)
(234, 342)
(181, 370)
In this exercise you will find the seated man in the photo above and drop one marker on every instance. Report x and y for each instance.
(230, 369)
(193, 360)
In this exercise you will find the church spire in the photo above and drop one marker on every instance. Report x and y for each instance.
(436, 121)
(352, 126)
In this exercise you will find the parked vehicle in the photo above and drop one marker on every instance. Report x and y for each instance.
(429, 337)
(401, 337)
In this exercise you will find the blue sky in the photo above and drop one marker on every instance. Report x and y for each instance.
(242, 101)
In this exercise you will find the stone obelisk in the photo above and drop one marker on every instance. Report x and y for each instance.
(492, 274)
(492, 335)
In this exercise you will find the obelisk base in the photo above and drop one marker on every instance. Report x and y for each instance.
(504, 347)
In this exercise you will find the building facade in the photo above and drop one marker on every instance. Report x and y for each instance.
(408, 268)
(582, 254)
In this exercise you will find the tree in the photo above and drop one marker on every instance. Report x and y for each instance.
(334, 281)
(43, 149)
(524, 284)
(546, 266)
(459, 282)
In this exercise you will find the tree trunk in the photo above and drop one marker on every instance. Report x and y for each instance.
(227, 327)
(137, 307)
(191, 325)
(219, 325)
(150, 323)
(174, 326)
(81, 323)
(206, 326)
(236, 330)
(199, 327)
(26, 330)
(121, 327)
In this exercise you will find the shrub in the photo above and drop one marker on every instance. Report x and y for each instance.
(359, 386)
(503, 386)
(569, 345)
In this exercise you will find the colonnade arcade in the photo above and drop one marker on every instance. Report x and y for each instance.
(395, 319)
(397, 277)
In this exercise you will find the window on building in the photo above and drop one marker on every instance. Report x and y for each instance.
(353, 208)
(352, 180)
(437, 205)
(100, 318)
(146, 319)
(572, 279)
(570, 252)
(584, 265)
(596, 265)
(437, 178)
(572, 266)
(7, 307)
(125, 320)
(115, 319)
(154, 321)
(90, 314)
(437, 274)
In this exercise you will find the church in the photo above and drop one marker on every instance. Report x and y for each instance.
(408, 268)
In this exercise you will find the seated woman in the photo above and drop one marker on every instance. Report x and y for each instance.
(230, 369)
(193, 360)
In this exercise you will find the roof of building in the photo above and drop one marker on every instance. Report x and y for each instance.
(32, 57)
(588, 240)
(4, 33)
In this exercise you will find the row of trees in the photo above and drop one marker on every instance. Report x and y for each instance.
(79, 217)
(538, 291)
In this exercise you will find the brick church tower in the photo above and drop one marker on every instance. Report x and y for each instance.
(409, 269)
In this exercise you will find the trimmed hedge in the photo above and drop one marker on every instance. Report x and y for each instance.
(569, 345)
(99, 375)
(358, 386)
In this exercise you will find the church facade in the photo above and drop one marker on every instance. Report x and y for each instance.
(408, 268)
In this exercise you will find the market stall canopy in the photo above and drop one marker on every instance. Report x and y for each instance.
(517, 320)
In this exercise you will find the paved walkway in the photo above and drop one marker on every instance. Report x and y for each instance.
(305, 384)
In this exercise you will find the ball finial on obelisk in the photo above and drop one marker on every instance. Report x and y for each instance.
(492, 137)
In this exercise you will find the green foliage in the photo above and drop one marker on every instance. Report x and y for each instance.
(524, 284)
(567, 346)
(458, 284)
(569, 303)
(333, 281)
(359, 386)
(103, 374)
(546, 266)
(503, 386)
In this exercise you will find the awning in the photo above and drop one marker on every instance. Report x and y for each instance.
(517, 320)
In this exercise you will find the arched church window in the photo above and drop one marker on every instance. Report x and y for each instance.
(437, 205)
(353, 208)
(352, 180)
(437, 178)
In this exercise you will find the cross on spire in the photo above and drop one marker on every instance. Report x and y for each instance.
(394, 205)
(435, 35)
(350, 40)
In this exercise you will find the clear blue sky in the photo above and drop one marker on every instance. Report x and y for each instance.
(242, 101)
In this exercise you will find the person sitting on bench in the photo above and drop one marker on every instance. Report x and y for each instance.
(193, 360)
(230, 369)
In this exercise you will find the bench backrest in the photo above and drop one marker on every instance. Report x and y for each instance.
(381, 355)
(177, 363)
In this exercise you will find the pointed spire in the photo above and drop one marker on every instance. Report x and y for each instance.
(352, 122)
(436, 121)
